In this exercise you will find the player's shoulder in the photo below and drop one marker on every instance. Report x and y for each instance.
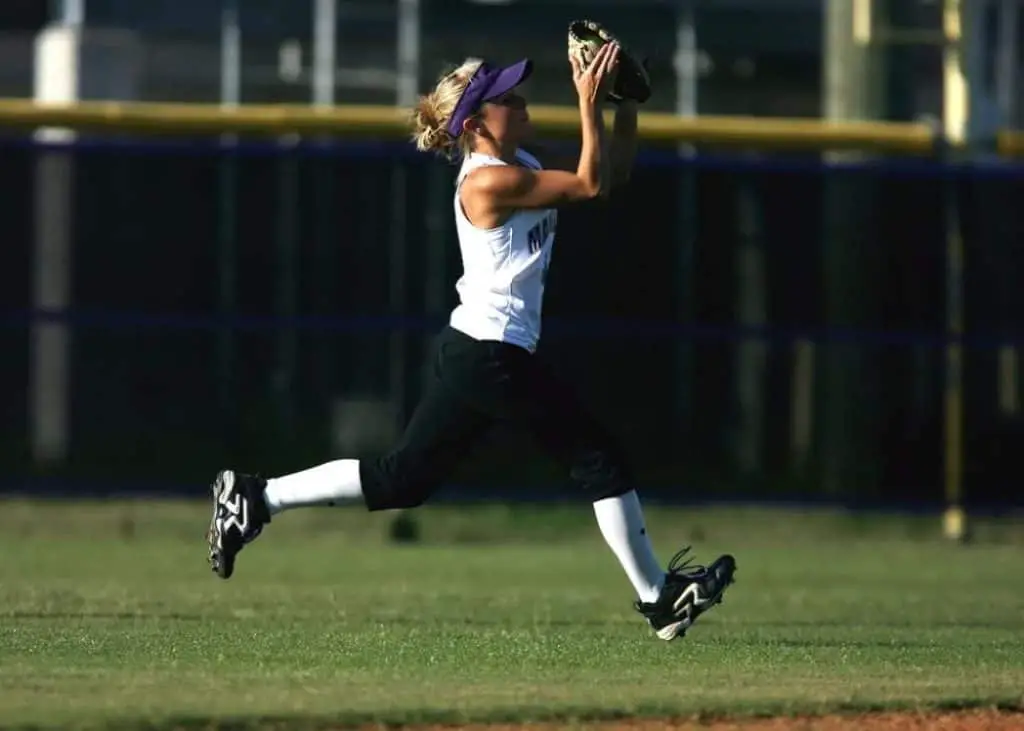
(495, 178)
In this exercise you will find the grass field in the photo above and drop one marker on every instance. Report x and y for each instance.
(109, 617)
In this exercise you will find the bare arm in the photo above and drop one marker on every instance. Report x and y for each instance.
(497, 189)
(594, 163)
(623, 143)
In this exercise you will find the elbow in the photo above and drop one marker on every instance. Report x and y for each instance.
(589, 186)
(590, 190)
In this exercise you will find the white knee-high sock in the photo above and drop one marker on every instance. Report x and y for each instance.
(321, 485)
(621, 520)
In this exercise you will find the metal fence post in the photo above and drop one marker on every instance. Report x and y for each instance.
(287, 250)
(686, 63)
(227, 230)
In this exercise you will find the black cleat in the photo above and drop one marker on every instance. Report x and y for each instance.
(239, 514)
(689, 591)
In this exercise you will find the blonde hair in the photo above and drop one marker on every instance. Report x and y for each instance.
(433, 110)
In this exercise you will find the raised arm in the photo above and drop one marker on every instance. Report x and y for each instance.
(495, 189)
(510, 187)
(622, 146)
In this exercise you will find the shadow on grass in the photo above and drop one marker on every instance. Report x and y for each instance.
(525, 715)
(176, 616)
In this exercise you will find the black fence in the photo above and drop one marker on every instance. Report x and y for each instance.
(760, 326)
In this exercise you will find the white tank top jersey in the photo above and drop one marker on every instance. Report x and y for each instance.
(501, 290)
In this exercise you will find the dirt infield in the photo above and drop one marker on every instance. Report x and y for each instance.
(953, 721)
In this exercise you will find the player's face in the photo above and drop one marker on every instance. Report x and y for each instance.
(507, 117)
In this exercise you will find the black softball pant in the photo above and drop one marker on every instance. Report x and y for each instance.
(476, 384)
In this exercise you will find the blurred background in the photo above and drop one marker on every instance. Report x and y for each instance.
(754, 324)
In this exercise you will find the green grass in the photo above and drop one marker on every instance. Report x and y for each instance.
(110, 617)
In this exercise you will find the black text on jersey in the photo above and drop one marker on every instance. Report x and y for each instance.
(540, 232)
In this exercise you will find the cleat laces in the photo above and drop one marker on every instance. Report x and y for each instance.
(682, 566)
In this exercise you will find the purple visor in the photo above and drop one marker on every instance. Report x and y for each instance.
(487, 83)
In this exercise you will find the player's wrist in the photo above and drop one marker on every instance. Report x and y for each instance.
(590, 108)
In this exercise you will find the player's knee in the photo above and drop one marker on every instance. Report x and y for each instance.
(397, 482)
(602, 473)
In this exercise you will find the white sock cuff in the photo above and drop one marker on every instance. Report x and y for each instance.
(324, 484)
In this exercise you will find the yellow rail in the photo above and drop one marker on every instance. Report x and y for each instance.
(1010, 143)
(392, 123)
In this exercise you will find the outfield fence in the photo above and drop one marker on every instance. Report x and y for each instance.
(773, 308)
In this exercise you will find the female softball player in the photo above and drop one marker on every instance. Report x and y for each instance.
(484, 366)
